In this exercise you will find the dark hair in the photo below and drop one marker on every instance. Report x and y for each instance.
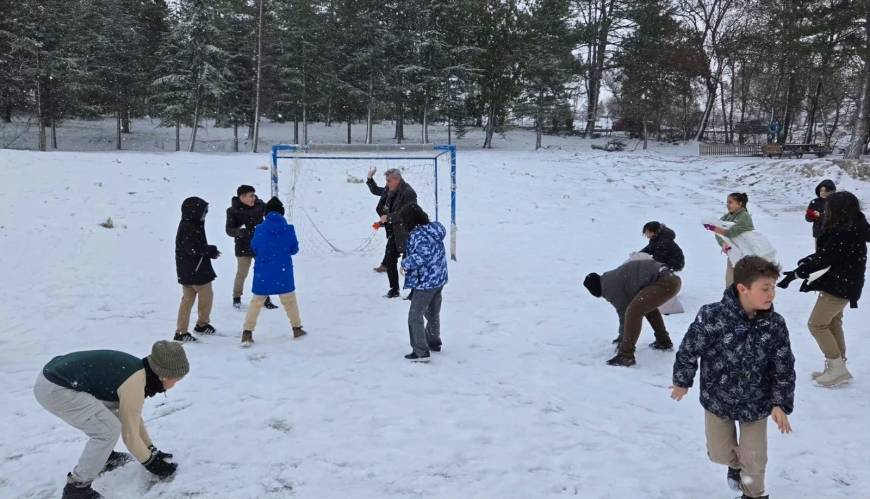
(412, 216)
(752, 268)
(842, 208)
(740, 197)
(653, 227)
(244, 189)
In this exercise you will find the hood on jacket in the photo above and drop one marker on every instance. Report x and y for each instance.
(665, 234)
(193, 209)
(237, 204)
(433, 231)
(827, 184)
(274, 223)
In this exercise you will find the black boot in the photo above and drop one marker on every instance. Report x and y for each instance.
(237, 302)
(75, 490)
(733, 477)
(413, 357)
(116, 460)
(269, 305)
(663, 343)
(622, 360)
(393, 293)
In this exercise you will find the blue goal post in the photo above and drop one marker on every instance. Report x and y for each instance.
(395, 152)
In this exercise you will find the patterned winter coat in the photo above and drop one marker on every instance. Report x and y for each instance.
(747, 366)
(425, 261)
(274, 243)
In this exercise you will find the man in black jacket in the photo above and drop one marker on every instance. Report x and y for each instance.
(193, 256)
(246, 211)
(395, 196)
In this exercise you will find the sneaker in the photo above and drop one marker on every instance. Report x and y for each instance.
(75, 490)
(204, 329)
(662, 344)
(269, 305)
(380, 269)
(247, 338)
(298, 332)
(435, 348)
(185, 337)
(237, 302)
(733, 477)
(622, 360)
(616, 340)
(116, 460)
(393, 293)
(413, 357)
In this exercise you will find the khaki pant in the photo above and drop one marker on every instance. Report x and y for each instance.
(244, 267)
(826, 325)
(188, 296)
(729, 274)
(748, 454)
(288, 300)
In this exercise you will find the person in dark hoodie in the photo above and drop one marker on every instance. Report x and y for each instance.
(193, 256)
(274, 244)
(636, 289)
(816, 210)
(101, 392)
(246, 211)
(836, 270)
(662, 246)
(395, 196)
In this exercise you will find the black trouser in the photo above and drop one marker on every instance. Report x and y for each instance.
(391, 259)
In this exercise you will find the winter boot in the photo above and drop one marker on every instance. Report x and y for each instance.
(815, 374)
(662, 344)
(298, 332)
(204, 329)
(835, 373)
(413, 357)
(269, 305)
(744, 496)
(185, 337)
(435, 347)
(76, 490)
(622, 360)
(116, 460)
(380, 269)
(393, 293)
(733, 477)
(616, 340)
(247, 338)
(237, 302)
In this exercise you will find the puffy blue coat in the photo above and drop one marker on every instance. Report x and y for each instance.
(747, 366)
(425, 261)
(273, 244)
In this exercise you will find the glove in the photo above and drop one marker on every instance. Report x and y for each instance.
(788, 277)
(376, 225)
(159, 454)
(812, 214)
(710, 227)
(726, 249)
(160, 466)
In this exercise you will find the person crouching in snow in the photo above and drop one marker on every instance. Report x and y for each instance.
(101, 392)
(816, 210)
(663, 246)
(274, 244)
(747, 373)
(193, 256)
(636, 289)
(425, 267)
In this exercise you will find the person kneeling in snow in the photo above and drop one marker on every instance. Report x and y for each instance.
(425, 267)
(101, 392)
(273, 244)
(747, 373)
(636, 289)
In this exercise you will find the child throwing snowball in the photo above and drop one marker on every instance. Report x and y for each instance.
(739, 216)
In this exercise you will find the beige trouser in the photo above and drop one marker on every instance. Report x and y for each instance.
(826, 325)
(188, 296)
(288, 300)
(749, 454)
(729, 274)
(242, 271)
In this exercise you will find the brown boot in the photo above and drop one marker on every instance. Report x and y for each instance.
(247, 338)
(298, 332)
(380, 268)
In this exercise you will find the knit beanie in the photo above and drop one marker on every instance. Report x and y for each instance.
(244, 189)
(275, 204)
(593, 284)
(168, 360)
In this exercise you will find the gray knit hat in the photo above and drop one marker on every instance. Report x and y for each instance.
(168, 360)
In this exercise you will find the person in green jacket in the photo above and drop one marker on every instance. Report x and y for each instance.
(101, 392)
(742, 220)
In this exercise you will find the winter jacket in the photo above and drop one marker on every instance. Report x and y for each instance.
(664, 249)
(818, 205)
(621, 285)
(274, 243)
(742, 223)
(747, 366)
(390, 204)
(425, 261)
(193, 254)
(844, 250)
(241, 220)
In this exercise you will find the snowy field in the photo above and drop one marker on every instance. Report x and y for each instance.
(520, 403)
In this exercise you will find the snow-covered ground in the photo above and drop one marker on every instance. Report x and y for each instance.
(519, 405)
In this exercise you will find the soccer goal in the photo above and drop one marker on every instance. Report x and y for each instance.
(323, 188)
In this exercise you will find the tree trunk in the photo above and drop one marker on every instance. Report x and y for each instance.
(348, 129)
(369, 109)
(256, 139)
(724, 110)
(490, 126)
(644, 133)
(53, 133)
(177, 136)
(597, 71)
(39, 110)
(125, 118)
(789, 108)
(195, 121)
(539, 120)
(712, 84)
(118, 128)
(425, 131)
(859, 130)
(296, 128)
(810, 135)
(235, 136)
(304, 124)
(7, 112)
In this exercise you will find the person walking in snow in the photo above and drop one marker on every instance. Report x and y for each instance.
(836, 270)
(193, 256)
(101, 392)
(395, 196)
(246, 211)
(663, 246)
(816, 210)
(739, 216)
(747, 373)
(425, 268)
(274, 244)
(636, 289)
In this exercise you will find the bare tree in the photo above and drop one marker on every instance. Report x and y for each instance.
(256, 138)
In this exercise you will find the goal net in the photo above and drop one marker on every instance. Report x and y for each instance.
(324, 190)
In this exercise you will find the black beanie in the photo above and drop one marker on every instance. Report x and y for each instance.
(244, 189)
(275, 204)
(593, 284)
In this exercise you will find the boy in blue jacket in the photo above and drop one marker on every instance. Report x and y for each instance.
(747, 373)
(274, 244)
